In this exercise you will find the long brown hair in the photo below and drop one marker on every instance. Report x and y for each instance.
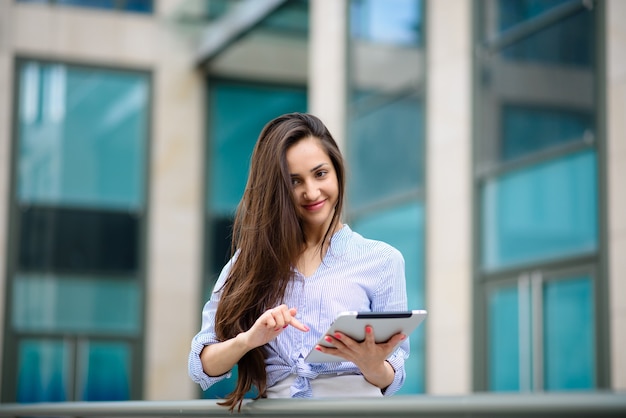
(268, 238)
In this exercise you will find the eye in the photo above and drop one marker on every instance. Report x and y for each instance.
(321, 173)
(295, 181)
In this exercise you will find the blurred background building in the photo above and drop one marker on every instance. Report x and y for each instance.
(484, 139)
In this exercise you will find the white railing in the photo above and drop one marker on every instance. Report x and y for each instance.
(588, 404)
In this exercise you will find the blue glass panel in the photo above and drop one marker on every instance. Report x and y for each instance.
(386, 152)
(215, 9)
(397, 22)
(541, 212)
(76, 304)
(291, 18)
(104, 371)
(569, 42)
(403, 227)
(43, 371)
(569, 334)
(531, 129)
(238, 113)
(82, 136)
(503, 331)
(224, 387)
(99, 4)
(511, 13)
(220, 236)
(139, 6)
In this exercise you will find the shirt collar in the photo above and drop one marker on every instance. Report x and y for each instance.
(339, 241)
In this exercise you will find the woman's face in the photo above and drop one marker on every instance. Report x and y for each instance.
(314, 184)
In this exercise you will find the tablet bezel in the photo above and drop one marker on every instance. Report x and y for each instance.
(385, 325)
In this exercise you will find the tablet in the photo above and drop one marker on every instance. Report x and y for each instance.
(385, 325)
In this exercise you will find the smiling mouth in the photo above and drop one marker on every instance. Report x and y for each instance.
(314, 206)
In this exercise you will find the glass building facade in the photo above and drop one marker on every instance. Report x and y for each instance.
(386, 135)
(123, 161)
(538, 195)
(75, 289)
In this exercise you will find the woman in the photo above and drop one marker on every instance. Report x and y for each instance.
(295, 266)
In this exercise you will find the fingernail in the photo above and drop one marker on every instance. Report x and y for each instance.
(285, 327)
(276, 329)
(337, 336)
(328, 339)
(403, 337)
(307, 328)
(318, 348)
(368, 329)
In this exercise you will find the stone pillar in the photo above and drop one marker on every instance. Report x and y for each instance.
(328, 57)
(616, 192)
(6, 103)
(448, 197)
(176, 221)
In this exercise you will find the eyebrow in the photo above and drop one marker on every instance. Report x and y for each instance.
(317, 167)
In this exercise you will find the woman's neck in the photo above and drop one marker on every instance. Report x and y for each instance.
(313, 239)
(314, 250)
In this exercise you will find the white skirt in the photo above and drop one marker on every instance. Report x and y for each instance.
(329, 386)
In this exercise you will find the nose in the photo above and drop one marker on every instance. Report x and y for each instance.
(311, 192)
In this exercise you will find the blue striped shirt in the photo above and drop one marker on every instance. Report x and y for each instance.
(356, 274)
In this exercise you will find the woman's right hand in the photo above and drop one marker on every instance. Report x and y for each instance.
(219, 358)
(270, 324)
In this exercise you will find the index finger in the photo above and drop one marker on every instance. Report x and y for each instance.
(395, 340)
(298, 325)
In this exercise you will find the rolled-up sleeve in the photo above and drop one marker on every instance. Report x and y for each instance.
(207, 336)
(397, 362)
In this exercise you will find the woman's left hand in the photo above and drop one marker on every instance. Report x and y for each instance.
(367, 355)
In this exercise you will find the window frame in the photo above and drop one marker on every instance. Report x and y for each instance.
(533, 280)
(12, 338)
(596, 261)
